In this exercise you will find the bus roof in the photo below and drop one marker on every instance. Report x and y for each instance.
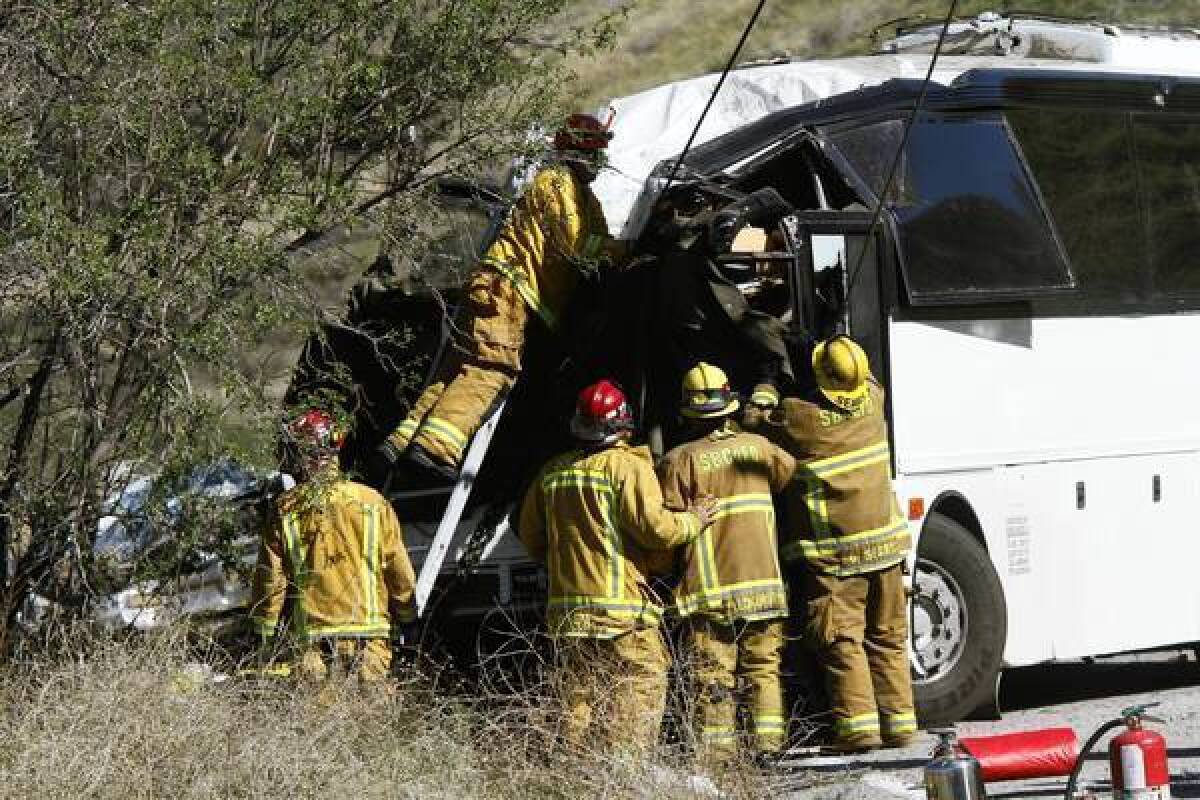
(655, 124)
(1011, 87)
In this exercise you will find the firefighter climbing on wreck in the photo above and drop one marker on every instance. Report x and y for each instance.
(845, 545)
(332, 567)
(595, 517)
(556, 232)
(731, 595)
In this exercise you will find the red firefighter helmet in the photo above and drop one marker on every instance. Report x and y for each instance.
(583, 132)
(316, 429)
(602, 414)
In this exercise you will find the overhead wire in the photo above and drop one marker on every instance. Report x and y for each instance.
(899, 154)
(713, 96)
(649, 300)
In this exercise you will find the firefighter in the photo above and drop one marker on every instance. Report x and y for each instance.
(554, 235)
(731, 596)
(595, 517)
(849, 541)
(332, 565)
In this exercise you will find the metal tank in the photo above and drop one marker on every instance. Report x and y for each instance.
(952, 773)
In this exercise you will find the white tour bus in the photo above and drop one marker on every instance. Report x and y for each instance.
(1028, 299)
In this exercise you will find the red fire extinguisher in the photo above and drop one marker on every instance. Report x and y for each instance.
(1138, 759)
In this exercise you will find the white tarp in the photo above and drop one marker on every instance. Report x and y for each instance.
(655, 124)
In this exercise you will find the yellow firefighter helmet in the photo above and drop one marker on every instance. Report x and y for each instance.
(842, 370)
(706, 393)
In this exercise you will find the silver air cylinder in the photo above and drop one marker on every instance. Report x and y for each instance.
(952, 773)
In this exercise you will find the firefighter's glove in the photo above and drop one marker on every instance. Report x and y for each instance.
(704, 507)
(764, 397)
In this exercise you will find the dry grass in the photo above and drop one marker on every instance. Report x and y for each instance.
(140, 719)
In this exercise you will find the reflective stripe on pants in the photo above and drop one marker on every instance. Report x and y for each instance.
(721, 657)
(450, 414)
(451, 409)
(859, 628)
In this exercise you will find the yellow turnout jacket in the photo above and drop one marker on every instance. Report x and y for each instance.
(841, 511)
(595, 517)
(335, 554)
(556, 228)
(732, 570)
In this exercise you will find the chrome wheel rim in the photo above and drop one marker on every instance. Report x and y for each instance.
(938, 623)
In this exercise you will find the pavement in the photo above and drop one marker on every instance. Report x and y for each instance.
(1080, 696)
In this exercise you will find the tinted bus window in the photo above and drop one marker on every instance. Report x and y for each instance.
(1166, 152)
(870, 149)
(1124, 191)
(970, 223)
(1084, 167)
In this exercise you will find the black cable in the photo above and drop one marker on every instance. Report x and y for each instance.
(712, 97)
(1072, 781)
(891, 176)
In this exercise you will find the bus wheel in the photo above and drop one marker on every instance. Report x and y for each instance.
(958, 624)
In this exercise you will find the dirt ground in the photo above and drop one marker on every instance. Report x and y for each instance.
(1079, 696)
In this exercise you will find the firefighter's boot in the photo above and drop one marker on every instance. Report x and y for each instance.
(759, 653)
(451, 409)
(886, 646)
(713, 659)
(835, 625)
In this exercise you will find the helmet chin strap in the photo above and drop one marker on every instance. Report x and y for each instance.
(584, 167)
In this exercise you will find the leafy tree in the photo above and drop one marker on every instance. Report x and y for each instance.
(167, 168)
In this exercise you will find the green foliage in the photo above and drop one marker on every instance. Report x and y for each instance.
(165, 168)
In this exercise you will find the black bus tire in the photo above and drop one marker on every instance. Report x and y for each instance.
(949, 556)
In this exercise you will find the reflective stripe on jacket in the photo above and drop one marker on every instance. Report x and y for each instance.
(842, 515)
(594, 518)
(555, 229)
(336, 554)
(732, 570)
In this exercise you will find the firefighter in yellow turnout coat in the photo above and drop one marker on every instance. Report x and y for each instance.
(732, 592)
(556, 230)
(848, 538)
(332, 566)
(595, 516)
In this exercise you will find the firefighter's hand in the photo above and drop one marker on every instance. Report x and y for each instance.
(704, 507)
(765, 397)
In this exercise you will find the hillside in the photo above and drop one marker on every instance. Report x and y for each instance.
(663, 40)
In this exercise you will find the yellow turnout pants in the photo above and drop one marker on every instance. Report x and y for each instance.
(452, 407)
(612, 691)
(370, 660)
(859, 628)
(731, 662)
